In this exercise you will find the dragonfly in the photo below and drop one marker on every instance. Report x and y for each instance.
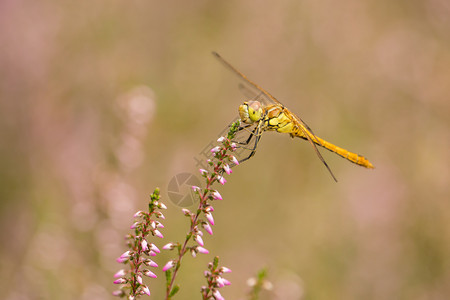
(265, 113)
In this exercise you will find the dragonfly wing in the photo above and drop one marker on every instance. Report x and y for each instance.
(245, 79)
(307, 132)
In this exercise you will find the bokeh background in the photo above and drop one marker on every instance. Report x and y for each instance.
(102, 101)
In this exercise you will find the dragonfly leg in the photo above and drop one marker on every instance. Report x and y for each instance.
(257, 134)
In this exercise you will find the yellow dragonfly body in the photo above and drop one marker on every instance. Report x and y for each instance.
(272, 115)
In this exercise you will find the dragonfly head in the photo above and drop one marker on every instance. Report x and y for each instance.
(250, 112)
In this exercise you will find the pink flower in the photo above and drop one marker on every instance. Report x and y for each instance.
(222, 180)
(144, 245)
(234, 160)
(216, 195)
(162, 206)
(233, 146)
(225, 270)
(215, 149)
(160, 215)
(135, 224)
(138, 214)
(169, 265)
(221, 139)
(120, 281)
(217, 295)
(227, 169)
(146, 290)
(195, 188)
(150, 263)
(202, 250)
(186, 211)
(168, 246)
(203, 171)
(154, 248)
(150, 274)
(220, 281)
(139, 279)
(158, 234)
(208, 228)
(199, 240)
(124, 257)
(210, 218)
(120, 273)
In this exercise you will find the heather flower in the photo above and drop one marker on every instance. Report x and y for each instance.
(154, 248)
(136, 258)
(168, 265)
(216, 195)
(146, 290)
(169, 246)
(227, 169)
(202, 250)
(144, 245)
(222, 180)
(199, 240)
(120, 281)
(215, 280)
(215, 149)
(158, 234)
(210, 218)
(120, 273)
(149, 273)
(217, 295)
(150, 263)
(218, 165)
(207, 228)
(234, 160)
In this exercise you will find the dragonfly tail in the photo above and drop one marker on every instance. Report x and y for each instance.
(353, 157)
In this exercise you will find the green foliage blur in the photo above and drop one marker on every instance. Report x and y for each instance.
(102, 101)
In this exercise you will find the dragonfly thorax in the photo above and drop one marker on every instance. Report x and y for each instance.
(250, 112)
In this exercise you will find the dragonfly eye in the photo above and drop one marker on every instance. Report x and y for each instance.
(250, 112)
(255, 110)
(243, 113)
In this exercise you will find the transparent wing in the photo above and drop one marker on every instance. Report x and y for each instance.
(245, 79)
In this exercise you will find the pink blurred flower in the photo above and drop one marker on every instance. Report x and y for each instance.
(158, 234)
(146, 290)
(216, 195)
(217, 295)
(210, 218)
(168, 265)
(234, 160)
(150, 274)
(202, 250)
(222, 180)
(199, 240)
(144, 245)
(215, 149)
(120, 273)
(120, 281)
(227, 169)
(208, 228)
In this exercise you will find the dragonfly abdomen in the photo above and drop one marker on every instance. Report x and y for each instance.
(353, 157)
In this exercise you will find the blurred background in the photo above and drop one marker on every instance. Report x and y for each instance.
(102, 101)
